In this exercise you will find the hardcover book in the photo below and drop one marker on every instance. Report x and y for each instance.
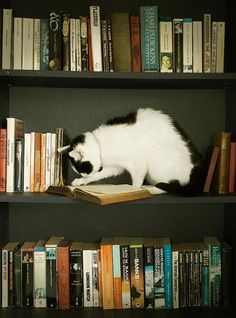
(40, 274)
(65, 41)
(55, 41)
(102, 194)
(135, 43)
(76, 274)
(96, 41)
(61, 162)
(178, 44)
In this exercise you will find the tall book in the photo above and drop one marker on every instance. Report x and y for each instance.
(55, 40)
(214, 248)
(76, 274)
(44, 44)
(135, 43)
(95, 20)
(37, 162)
(61, 162)
(227, 272)
(166, 45)
(51, 271)
(43, 163)
(17, 276)
(207, 42)
(27, 273)
(197, 46)
(175, 275)
(137, 272)
(40, 274)
(121, 42)
(78, 44)
(7, 39)
(213, 46)
(187, 45)
(36, 44)
(73, 44)
(3, 158)
(178, 44)
(149, 38)
(105, 52)
(14, 131)
(117, 273)
(149, 272)
(211, 169)
(65, 41)
(63, 274)
(32, 159)
(19, 155)
(110, 46)
(232, 166)
(220, 55)
(17, 43)
(27, 144)
(84, 43)
(107, 273)
(28, 44)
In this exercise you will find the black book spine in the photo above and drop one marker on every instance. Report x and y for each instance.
(110, 46)
(149, 276)
(66, 42)
(84, 44)
(76, 278)
(27, 278)
(55, 39)
(178, 45)
(51, 278)
(19, 153)
(227, 274)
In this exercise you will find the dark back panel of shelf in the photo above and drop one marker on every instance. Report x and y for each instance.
(4, 105)
(4, 220)
(91, 222)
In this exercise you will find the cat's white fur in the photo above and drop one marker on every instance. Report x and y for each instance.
(150, 149)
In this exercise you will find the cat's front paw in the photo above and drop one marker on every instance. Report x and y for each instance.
(78, 182)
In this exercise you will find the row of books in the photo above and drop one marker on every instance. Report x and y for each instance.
(117, 273)
(29, 161)
(144, 42)
(220, 176)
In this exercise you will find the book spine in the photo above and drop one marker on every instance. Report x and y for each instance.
(55, 35)
(211, 169)
(213, 46)
(166, 45)
(117, 276)
(65, 41)
(10, 279)
(27, 142)
(95, 278)
(149, 38)
(32, 159)
(105, 52)
(197, 278)
(17, 44)
(125, 276)
(48, 159)
(90, 52)
(78, 45)
(36, 44)
(53, 152)
(135, 43)
(72, 45)
(40, 277)
(186, 278)
(43, 163)
(168, 276)
(205, 278)
(197, 46)
(19, 151)
(87, 278)
(107, 277)
(227, 272)
(175, 271)
(149, 276)
(95, 20)
(3, 159)
(1, 29)
(44, 44)
(220, 47)
(76, 278)
(178, 44)
(187, 45)
(232, 166)
(51, 277)
(27, 259)
(37, 162)
(84, 44)
(137, 276)
(4, 278)
(17, 278)
(63, 277)
(159, 288)
(207, 43)
(28, 44)
(7, 39)
(215, 275)
(110, 46)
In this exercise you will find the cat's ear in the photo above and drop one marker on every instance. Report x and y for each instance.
(63, 149)
(75, 154)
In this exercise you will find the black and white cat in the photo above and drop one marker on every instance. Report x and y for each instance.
(146, 143)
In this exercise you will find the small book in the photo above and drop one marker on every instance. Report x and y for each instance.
(102, 194)
(211, 169)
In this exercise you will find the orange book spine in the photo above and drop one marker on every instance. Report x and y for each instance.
(3, 159)
(63, 277)
(211, 169)
(37, 162)
(107, 277)
(135, 43)
(43, 164)
(117, 293)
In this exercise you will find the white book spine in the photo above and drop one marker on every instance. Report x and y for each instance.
(6, 38)
(4, 278)
(207, 43)
(166, 47)
(175, 279)
(213, 46)
(48, 159)
(52, 160)
(87, 278)
(32, 156)
(40, 278)
(95, 20)
(27, 142)
(220, 47)
(72, 45)
(17, 44)
(95, 278)
(187, 45)
(28, 44)
(78, 45)
(36, 42)
(197, 46)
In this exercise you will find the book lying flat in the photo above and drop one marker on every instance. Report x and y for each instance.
(102, 194)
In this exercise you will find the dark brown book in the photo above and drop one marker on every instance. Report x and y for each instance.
(65, 41)
(232, 166)
(61, 162)
(102, 194)
(55, 39)
(3, 159)
(135, 43)
(121, 42)
(211, 169)
(221, 180)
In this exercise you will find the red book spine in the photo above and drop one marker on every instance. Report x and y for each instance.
(3, 158)
(232, 163)
(211, 169)
(135, 43)
(63, 276)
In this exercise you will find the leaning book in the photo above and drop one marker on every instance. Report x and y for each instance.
(102, 194)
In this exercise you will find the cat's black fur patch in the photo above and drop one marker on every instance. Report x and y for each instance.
(129, 119)
(77, 140)
(81, 166)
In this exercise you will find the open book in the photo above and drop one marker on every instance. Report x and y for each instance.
(102, 194)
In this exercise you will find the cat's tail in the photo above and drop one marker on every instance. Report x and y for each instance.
(193, 188)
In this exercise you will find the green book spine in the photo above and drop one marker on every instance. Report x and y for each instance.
(44, 44)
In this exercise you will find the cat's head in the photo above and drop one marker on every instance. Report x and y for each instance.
(84, 154)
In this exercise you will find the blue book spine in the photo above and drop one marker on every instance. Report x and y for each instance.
(149, 38)
(168, 276)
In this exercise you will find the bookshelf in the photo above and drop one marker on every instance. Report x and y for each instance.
(202, 103)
